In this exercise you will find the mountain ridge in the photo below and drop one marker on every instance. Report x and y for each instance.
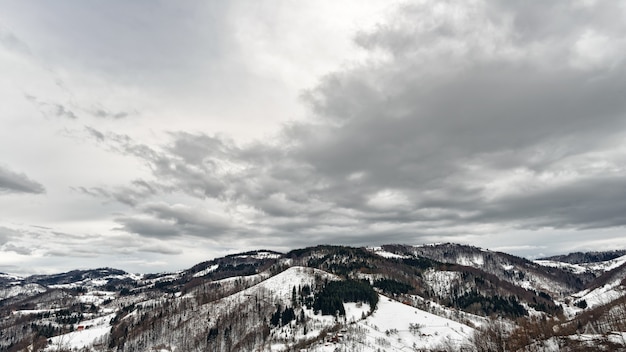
(266, 300)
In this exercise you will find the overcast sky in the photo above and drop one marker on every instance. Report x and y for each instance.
(152, 135)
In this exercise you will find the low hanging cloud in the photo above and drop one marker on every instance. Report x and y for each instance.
(14, 182)
(467, 118)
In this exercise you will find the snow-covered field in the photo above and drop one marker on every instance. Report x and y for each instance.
(398, 327)
(29, 289)
(602, 295)
(92, 332)
(206, 271)
(599, 267)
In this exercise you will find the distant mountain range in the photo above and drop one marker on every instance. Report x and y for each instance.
(441, 297)
(587, 257)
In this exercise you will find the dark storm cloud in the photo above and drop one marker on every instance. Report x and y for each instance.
(14, 182)
(495, 114)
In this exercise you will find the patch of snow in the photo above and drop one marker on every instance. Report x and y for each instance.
(397, 327)
(35, 311)
(356, 311)
(508, 267)
(573, 268)
(385, 254)
(599, 267)
(10, 277)
(96, 297)
(607, 265)
(261, 255)
(475, 260)
(282, 284)
(93, 331)
(602, 295)
(16, 290)
(206, 271)
(441, 282)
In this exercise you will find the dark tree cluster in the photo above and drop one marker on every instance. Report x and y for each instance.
(392, 286)
(474, 302)
(329, 301)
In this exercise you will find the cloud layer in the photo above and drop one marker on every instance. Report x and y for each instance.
(13, 182)
(474, 122)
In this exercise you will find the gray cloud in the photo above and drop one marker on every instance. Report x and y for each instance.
(9, 247)
(10, 41)
(462, 122)
(5, 235)
(161, 249)
(101, 113)
(131, 195)
(55, 109)
(13, 182)
(50, 108)
(161, 220)
(99, 136)
(149, 227)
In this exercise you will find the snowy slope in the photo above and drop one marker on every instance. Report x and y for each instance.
(92, 332)
(397, 327)
(386, 254)
(16, 290)
(206, 271)
(602, 295)
(596, 268)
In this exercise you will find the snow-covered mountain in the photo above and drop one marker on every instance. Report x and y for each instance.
(443, 297)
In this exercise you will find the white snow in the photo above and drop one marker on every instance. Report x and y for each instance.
(10, 277)
(441, 282)
(28, 289)
(574, 268)
(206, 271)
(356, 311)
(601, 295)
(261, 255)
(385, 254)
(607, 265)
(473, 261)
(35, 311)
(94, 331)
(282, 284)
(398, 327)
(508, 267)
(599, 267)
(96, 297)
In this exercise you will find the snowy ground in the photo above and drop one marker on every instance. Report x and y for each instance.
(441, 282)
(398, 327)
(598, 267)
(206, 271)
(29, 289)
(94, 331)
(383, 253)
(602, 295)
